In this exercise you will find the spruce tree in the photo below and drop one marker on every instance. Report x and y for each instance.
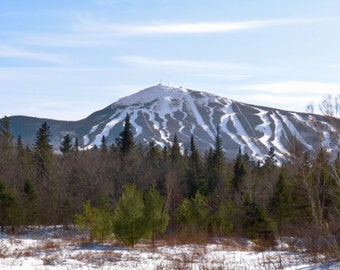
(280, 204)
(125, 141)
(239, 171)
(43, 149)
(256, 223)
(7, 203)
(30, 207)
(195, 173)
(218, 153)
(270, 159)
(103, 145)
(66, 145)
(153, 152)
(76, 145)
(175, 151)
(216, 164)
(6, 137)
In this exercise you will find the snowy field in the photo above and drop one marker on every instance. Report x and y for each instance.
(54, 248)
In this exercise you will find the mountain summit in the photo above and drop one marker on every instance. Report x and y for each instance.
(159, 112)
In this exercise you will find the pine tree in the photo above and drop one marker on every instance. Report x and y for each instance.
(155, 213)
(66, 145)
(95, 220)
(194, 214)
(76, 145)
(218, 153)
(239, 171)
(19, 146)
(30, 211)
(128, 220)
(125, 141)
(175, 151)
(216, 164)
(43, 149)
(256, 223)
(270, 158)
(195, 173)
(6, 137)
(153, 152)
(7, 203)
(103, 145)
(280, 204)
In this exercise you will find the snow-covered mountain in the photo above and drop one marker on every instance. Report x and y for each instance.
(158, 112)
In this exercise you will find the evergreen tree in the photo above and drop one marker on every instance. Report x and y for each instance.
(125, 141)
(195, 173)
(194, 214)
(270, 159)
(30, 211)
(19, 146)
(66, 145)
(165, 153)
(216, 163)
(155, 214)
(43, 149)
(239, 171)
(76, 144)
(175, 151)
(153, 152)
(95, 220)
(280, 204)
(256, 223)
(7, 203)
(128, 220)
(6, 137)
(225, 216)
(218, 153)
(103, 145)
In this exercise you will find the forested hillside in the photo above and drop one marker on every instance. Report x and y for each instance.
(183, 192)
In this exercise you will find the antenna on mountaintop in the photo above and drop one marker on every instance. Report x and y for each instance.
(160, 81)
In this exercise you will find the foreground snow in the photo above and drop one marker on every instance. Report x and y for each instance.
(56, 249)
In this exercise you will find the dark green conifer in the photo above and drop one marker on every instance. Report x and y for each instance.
(195, 173)
(175, 151)
(6, 137)
(125, 141)
(239, 171)
(43, 149)
(66, 145)
(280, 204)
(103, 145)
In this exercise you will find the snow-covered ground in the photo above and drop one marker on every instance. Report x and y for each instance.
(51, 248)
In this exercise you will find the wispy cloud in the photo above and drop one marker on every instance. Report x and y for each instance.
(92, 25)
(89, 31)
(152, 62)
(295, 87)
(11, 52)
(286, 95)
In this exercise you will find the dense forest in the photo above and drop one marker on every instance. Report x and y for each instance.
(137, 192)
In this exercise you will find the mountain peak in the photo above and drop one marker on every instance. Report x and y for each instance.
(152, 93)
(159, 112)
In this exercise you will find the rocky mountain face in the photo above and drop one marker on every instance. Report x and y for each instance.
(158, 112)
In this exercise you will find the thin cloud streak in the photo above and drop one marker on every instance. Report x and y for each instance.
(90, 32)
(151, 62)
(89, 25)
(11, 52)
(295, 87)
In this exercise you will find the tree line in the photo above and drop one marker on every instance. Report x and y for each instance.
(136, 192)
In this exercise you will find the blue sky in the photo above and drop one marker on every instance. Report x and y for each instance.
(66, 59)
